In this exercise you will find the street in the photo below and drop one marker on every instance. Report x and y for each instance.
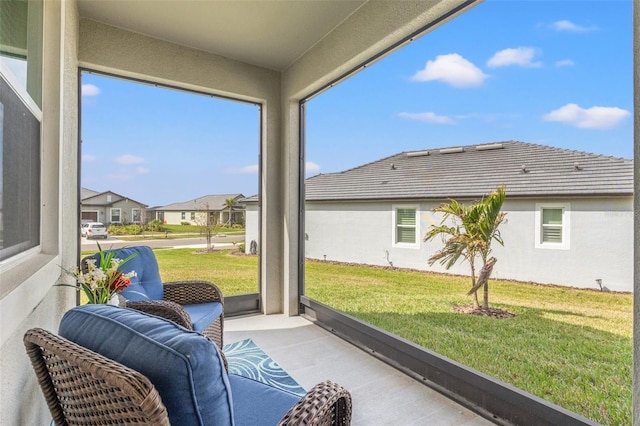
(114, 242)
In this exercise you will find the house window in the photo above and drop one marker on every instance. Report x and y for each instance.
(183, 215)
(20, 181)
(405, 226)
(135, 215)
(20, 117)
(115, 216)
(193, 215)
(21, 46)
(552, 225)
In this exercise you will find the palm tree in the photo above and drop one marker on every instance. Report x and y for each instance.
(473, 230)
(230, 203)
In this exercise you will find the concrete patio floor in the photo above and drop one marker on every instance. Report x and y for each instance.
(381, 394)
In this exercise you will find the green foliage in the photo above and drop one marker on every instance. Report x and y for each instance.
(241, 247)
(131, 229)
(237, 226)
(185, 223)
(155, 225)
(569, 346)
(474, 228)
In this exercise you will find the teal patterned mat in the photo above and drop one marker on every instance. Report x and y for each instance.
(247, 359)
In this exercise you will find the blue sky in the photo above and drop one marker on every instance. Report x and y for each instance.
(548, 72)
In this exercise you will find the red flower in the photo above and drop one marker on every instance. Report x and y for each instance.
(119, 282)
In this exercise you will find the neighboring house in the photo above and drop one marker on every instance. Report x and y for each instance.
(110, 208)
(194, 211)
(569, 214)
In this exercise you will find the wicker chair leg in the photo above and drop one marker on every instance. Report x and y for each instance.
(215, 330)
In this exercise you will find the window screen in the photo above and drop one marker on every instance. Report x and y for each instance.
(406, 226)
(19, 175)
(552, 225)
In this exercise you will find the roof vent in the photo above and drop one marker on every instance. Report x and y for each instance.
(451, 150)
(524, 169)
(489, 147)
(417, 153)
(393, 166)
(577, 166)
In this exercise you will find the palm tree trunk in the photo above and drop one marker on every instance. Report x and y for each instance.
(485, 299)
(476, 304)
(485, 287)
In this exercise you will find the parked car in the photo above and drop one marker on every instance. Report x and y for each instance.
(95, 230)
(83, 228)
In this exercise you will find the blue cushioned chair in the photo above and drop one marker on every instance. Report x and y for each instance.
(110, 364)
(196, 305)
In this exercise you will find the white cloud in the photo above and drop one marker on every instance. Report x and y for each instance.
(90, 90)
(88, 158)
(250, 169)
(520, 56)
(129, 159)
(565, 63)
(428, 117)
(596, 117)
(452, 69)
(311, 167)
(569, 26)
(142, 170)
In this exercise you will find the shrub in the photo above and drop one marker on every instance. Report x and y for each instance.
(155, 225)
(237, 226)
(133, 229)
(241, 247)
(185, 223)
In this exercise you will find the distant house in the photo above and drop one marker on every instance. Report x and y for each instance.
(194, 211)
(110, 208)
(569, 213)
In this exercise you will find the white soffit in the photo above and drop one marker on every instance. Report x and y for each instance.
(267, 33)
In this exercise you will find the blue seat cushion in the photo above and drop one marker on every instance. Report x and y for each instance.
(203, 314)
(258, 404)
(147, 284)
(184, 366)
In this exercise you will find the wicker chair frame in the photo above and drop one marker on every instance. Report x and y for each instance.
(176, 294)
(82, 387)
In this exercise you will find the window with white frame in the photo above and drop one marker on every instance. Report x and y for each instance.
(405, 226)
(183, 215)
(552, 225)
(135, 215)
(193, 215)
(21, 44)
(115, 215)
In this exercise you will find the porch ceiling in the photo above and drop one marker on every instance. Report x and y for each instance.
(267, 33)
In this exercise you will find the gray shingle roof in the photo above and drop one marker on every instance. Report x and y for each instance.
(476, 171)
(215, 202)
(86, 193)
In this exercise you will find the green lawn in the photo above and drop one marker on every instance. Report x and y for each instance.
(234, 274)
(571, 347)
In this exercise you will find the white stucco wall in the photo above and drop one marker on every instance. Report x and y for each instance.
(251, 226)
(601, 241)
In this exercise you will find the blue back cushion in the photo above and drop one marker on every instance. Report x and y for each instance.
(185, 367)
(146, 285)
